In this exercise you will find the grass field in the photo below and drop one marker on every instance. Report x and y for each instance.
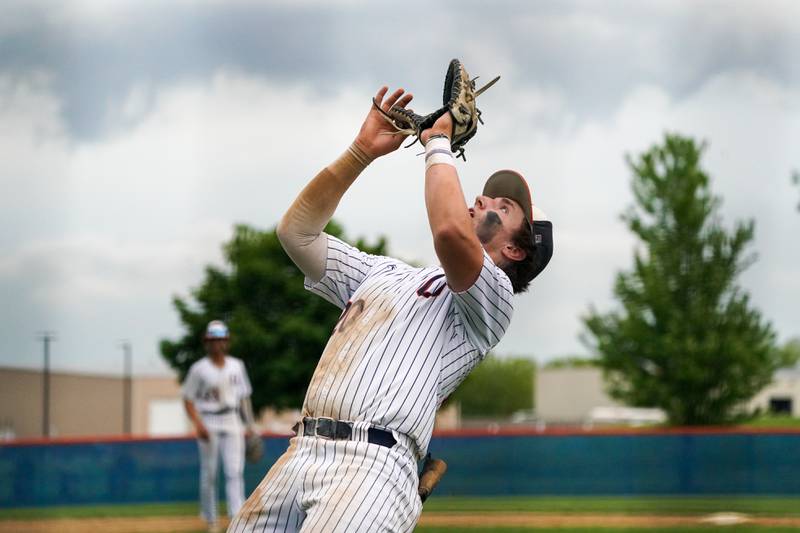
(101, 511)
(439, 508)
(664, 505)
(774, 421)
(699, 529)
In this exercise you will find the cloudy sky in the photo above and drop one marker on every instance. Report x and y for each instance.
(135, 134)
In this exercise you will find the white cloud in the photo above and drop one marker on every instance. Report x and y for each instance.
(94, 291)
(578, 174)
(30, 123)
(122, 223)
(72, 276)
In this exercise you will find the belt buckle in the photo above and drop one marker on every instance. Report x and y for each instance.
(309, 426)
(326, 424)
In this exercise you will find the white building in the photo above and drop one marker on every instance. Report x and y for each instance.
(782, 396)
(568, 395)
(576, 396)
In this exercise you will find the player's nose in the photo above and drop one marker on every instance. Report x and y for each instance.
(487, 202)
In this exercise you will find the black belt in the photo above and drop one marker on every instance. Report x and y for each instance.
(328, 428)
(223, 411)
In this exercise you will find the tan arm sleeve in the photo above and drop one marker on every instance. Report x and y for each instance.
(300, 229)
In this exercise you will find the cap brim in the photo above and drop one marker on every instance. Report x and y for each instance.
(510, 184)
(542, 245)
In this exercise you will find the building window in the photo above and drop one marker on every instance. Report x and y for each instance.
(780, 406)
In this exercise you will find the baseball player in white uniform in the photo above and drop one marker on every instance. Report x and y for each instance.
(216, 394)
(407, 336)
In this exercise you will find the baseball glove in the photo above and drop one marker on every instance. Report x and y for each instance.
(432, 472)
(458, 99)
(253, 448)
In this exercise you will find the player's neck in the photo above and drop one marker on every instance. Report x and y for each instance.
(217, 359)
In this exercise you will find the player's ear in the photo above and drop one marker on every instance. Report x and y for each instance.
(513, 253)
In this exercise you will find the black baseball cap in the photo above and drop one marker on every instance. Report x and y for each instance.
(511, 184)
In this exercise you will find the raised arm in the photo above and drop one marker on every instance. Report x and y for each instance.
(454, 238)
(300, 229)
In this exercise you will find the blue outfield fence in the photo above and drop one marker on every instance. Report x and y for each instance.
(621, 464)
(550, 463)
(114, 471)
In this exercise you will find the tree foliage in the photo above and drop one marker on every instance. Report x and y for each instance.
(497, 387)
(790, 351)
(277, 327)
(686, 338)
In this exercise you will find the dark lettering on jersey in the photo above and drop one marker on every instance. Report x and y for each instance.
(211, 394)
(425, 290)
(351, 311)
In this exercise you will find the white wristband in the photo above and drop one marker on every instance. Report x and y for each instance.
(437, 152)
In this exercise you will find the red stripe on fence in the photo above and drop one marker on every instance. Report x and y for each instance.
(502, 431)
(106, 439)
(505, 431)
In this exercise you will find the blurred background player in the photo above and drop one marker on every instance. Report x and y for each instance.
(216, 394)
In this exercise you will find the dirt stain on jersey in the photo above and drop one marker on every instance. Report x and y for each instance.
(256, 501)
(348, 342)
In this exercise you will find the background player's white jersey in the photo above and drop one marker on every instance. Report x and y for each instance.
(216, 392)
(404, 341)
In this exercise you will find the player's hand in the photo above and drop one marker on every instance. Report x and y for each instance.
(374, 138)
(443, 125)
(202, 432)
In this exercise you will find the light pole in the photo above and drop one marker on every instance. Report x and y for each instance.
(126, 387)
(46, 337)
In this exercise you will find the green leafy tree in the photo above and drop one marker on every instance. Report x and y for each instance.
(277, 327)
(497, 387)
(686, 338)
(790, 351)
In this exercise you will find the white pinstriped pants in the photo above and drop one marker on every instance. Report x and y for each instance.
(231, 447)
(321, 485)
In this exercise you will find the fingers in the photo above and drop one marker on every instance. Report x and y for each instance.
(381, 93)
(397, 97)
(393, 99)
(405, 100)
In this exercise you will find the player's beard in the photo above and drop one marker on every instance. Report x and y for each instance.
(488, 227)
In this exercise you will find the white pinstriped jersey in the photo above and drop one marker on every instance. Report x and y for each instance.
(404, 341)
(216, 392)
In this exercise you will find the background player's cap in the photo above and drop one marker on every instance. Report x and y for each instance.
(511, 184)
(217, 330)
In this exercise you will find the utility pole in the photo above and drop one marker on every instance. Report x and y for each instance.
(126, 387)
(46, 337)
